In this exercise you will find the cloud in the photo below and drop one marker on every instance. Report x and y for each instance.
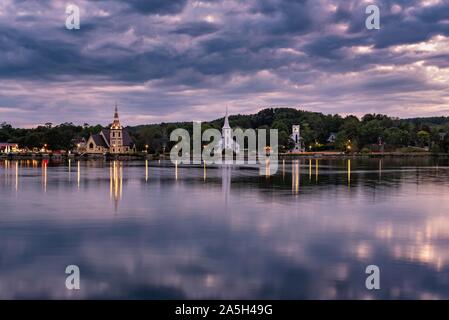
(196, 29)
(187, 55)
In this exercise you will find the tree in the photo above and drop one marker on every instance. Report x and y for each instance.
(396, 137)
(423, 138)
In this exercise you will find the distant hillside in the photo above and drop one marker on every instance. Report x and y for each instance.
(363, 134)
(429, 120)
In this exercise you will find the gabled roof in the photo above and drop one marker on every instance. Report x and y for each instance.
(99, 141)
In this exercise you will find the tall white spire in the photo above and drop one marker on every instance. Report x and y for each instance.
(226, 121)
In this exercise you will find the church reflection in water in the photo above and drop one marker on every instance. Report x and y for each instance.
(295, 176)
(116, 181)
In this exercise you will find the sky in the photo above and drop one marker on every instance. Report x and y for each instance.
(186, 60)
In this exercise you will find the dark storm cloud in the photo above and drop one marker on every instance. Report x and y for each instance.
(435, 13)
(160, 55)
(289, 16)
(196, 29)
(146, 7)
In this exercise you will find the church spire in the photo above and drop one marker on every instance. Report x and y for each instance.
(226, 121)
(116, 124)
(116, 111)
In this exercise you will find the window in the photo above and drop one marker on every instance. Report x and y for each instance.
(91, 145)
(113, 134)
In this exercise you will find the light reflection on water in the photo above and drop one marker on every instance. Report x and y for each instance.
(152, 230)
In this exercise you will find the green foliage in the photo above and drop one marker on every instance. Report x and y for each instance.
(358, 134)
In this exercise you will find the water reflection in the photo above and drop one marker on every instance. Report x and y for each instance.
(232, 235)
(116, 182)
(380, 169)
(349, 172)
(295, 176)
(310, 169)
(44, 174)
(17, 176)
(69, 165)
(146, 170)
(283, 169)
(176, 170)
(78, 174)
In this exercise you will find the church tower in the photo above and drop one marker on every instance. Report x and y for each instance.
(227, 133)
(116, 134)
(296, 137)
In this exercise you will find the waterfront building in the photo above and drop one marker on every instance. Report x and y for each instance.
(297, 139)
(227, 141)
(115, 140)
(6, 147)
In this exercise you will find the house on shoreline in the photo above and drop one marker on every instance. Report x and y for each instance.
(7, 147)
(115, 140)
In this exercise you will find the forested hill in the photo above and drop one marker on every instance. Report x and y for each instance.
(364, 133)
(429, 120)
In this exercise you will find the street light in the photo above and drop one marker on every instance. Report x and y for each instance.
(348, 146)
(146, 148)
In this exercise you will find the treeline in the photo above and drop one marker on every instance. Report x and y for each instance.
(370, 133)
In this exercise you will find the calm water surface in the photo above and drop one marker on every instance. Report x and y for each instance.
(147, 231)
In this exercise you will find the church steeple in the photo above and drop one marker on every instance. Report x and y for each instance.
(116, 124)
(226, 121)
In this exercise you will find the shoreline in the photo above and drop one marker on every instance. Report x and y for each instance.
(282, 156)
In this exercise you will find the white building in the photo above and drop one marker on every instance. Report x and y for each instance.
(296, 137)
(227, 140)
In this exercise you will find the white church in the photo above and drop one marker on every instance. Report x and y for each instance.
(296, 137)
(227, 141)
